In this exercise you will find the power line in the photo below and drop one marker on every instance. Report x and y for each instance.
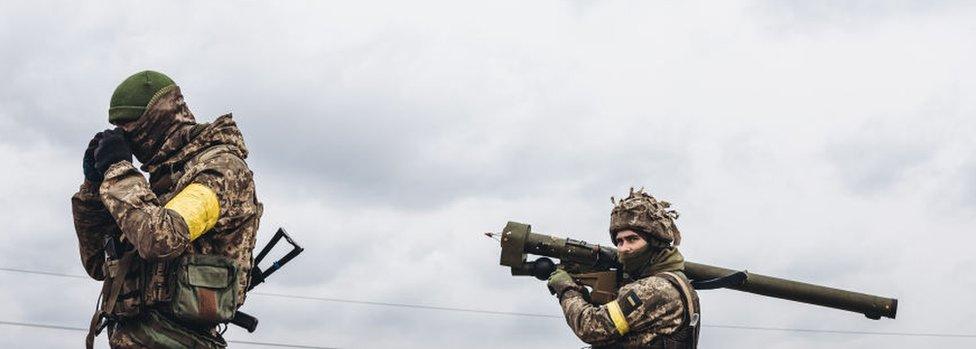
(491, 312)
(55, 327)
(785, 329)
(44, 273)
(80, 329)
(326, 299)
(280, 345)
(738, 327)
(411, 306)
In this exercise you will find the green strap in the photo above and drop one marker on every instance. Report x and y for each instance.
(113, 288)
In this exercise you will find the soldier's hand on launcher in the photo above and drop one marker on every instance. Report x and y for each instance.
(560, 281)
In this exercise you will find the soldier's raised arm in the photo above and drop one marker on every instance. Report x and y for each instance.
(93, 224)
(155, 231)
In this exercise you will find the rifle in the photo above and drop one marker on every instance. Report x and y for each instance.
(258, 276)
(597, 267)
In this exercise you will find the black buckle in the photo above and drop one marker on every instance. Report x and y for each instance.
(734, 279)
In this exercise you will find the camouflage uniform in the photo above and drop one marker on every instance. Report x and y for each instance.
(177, 153)
(658, 308)
(652, 307)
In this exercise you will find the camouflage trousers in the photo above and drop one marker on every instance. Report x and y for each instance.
(153, 330)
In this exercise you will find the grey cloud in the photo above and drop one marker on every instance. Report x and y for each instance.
(967, 184)
(420, 156)
(798, 17)
(869, 167)
(386, 138)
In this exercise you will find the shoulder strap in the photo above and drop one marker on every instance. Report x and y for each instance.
(110, 290)
(692, 314)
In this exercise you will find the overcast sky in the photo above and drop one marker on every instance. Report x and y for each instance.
(830, 142)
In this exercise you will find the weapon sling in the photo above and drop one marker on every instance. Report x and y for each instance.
(113, 288)
(692, 316)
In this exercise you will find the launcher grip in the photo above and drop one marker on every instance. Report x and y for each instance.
(603, 285)
(245, 321)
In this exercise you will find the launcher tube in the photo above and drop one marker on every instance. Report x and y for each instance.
(873, 307)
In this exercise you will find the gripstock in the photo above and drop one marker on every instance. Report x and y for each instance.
(597, 266)
(259, 275)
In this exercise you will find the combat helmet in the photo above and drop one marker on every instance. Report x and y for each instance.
(651, 218)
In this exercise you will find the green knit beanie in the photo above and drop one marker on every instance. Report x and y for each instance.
(133, 95)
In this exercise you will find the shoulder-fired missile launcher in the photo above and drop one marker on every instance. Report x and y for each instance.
(597, 266)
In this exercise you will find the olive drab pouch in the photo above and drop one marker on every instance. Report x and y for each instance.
(205, 289)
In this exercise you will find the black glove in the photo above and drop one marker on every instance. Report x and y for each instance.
(111, 149)
(88, 162)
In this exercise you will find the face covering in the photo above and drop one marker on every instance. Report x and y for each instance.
(648, 261)
(166, 124)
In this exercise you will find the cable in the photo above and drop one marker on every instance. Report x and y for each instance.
(43, 273)
(55, 327)
(280, 345)
(324, 299)
(784, 329)
(400, 305)
(69, 328)
(490, 312)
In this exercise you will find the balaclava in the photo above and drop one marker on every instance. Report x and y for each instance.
(149, 107)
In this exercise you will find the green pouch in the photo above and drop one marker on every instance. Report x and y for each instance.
(205, 290)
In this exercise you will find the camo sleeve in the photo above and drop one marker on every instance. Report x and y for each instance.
(234, 233)
(93, 224)
(643, 310)
(232, 182)
(591, 323)
(156, 232)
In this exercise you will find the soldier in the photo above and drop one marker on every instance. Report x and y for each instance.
(657, 307)
(174, 251)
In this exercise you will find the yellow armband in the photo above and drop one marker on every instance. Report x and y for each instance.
(198, 206)
(618, 318)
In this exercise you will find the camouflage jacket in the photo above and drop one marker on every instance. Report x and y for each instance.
(644, 310)
(127, 206)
